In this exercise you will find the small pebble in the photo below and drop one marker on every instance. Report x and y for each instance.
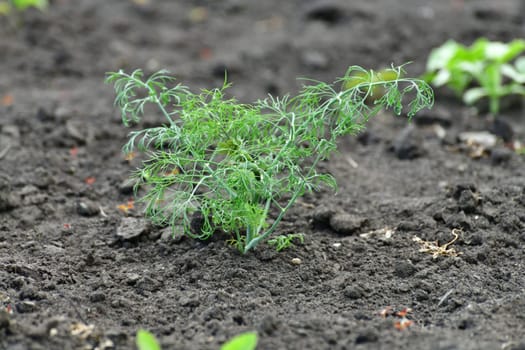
(25, 307)
(354, 292)
(404, 269)
(126, 186)
(96, 297)
(132, 278)
(325, 11)
(502, 129)
(408, 144)
(482, 138)
(44, 116)
(500, 156)
(296, 261)
(366, 336)
(86, 208)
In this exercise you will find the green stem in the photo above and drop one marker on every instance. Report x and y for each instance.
(494, 105)
(163, 110)
(153, 94)
(250, 233)
(254, 241)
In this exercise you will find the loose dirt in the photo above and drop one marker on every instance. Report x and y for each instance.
(68, 281)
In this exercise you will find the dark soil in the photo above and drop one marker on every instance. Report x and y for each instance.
(67, 281)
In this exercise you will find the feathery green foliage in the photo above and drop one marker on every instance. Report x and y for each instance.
(231, 164)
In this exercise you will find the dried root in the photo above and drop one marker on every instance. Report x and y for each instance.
(435, 249)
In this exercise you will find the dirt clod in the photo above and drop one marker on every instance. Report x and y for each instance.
(468, 201)
(408, 144)
(325, 11)
(131, 228)
(367, 336)
(354, 292)
(26, 307)
(347, 224)
(500, 155)
(404, 269)
(4, 320)
(87, 208)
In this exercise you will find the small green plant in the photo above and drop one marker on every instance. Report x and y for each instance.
(282, 242)
(483, 70)
(220, 165)
(146, 341)
(245, 341)
(6, 7)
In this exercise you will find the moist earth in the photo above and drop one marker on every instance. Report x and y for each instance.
(81, 269)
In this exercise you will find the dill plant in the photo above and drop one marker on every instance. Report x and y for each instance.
(238, 167)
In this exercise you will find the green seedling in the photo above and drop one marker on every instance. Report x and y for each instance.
(483, 70)
(282, 242)
(146, 341)
(218, 165)
(245, 341)
(6, 7)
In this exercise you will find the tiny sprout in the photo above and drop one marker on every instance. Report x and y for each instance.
(146, 341)
(244, 341)
(282, 242)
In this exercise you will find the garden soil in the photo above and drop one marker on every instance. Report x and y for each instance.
(81, 268)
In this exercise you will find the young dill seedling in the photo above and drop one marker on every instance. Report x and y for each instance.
(238, 167)
(282, 242)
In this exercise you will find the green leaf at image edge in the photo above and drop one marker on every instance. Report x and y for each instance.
(146, 341)
(244, 341)
(24, 4)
